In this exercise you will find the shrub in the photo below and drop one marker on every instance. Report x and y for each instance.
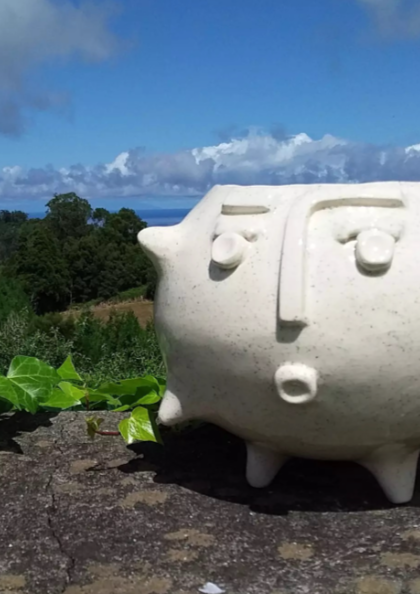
(12, 297)
(18, 337)
(114, 349)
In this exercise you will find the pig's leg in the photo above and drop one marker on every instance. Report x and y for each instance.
(395, 468)
(262, 464)
(172, 411)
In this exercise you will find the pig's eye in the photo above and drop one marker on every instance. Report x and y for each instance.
(228, 250)
(374, 250)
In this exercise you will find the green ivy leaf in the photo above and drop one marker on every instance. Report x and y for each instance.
(132, 400)
(150, 398)
(128, 387)
(8, 392)
(72, 391)
(5, 406)
(159, 383)
(67, 371)
(138, 399)
(97, 397)
(139, 427)
(60, 400)
(162, 386)
(93, 425)
(23, 369)
(32, 382)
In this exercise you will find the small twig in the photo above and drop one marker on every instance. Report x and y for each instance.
(108, 433)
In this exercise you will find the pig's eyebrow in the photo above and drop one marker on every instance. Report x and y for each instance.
(252, 203)
(292, 302)
(350, 229)
(244, 209)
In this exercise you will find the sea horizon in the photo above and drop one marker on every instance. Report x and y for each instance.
(154, 217)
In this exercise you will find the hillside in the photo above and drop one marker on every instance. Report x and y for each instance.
(142, 309)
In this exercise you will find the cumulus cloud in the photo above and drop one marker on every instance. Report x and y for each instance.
(35, 32)
(259, 158)
(395, 18)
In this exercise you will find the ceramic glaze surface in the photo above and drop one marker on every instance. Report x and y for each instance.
(290, 316)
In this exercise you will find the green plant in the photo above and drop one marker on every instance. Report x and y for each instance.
(32, 385)
(117, 348)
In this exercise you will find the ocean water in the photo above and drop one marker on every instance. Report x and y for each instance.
(153, 217)
(163, 217)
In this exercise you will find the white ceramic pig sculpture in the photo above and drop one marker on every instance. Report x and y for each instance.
(290, 316)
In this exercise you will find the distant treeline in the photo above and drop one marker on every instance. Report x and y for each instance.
(73, 255)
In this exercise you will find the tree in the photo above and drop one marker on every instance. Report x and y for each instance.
(123, 226)
(100, 217)
(10, 224)
(41, 268)
(68, 216)
(14, 217)
(12, 297)
(84, 259)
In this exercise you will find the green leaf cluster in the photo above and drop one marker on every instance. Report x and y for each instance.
(32, 385)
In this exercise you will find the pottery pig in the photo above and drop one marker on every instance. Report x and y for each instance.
(290, 316)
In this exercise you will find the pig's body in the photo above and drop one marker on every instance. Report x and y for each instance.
(290, 316)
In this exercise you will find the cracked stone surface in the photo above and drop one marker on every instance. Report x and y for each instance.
(83, 517)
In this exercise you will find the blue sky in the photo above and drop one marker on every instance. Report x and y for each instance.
(150, 80)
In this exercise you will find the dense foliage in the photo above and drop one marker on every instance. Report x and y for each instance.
(12, 298)
(10, 223)
(73, 255)
(118, 348)
(31, 385)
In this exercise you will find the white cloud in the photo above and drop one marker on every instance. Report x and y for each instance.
(258, 158)
(395, 18)
(35, 32)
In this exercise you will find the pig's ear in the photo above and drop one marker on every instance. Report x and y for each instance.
(159, 242)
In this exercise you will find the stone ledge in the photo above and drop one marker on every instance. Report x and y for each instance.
(83, 517)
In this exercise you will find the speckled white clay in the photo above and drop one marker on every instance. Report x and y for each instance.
(290, 316)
